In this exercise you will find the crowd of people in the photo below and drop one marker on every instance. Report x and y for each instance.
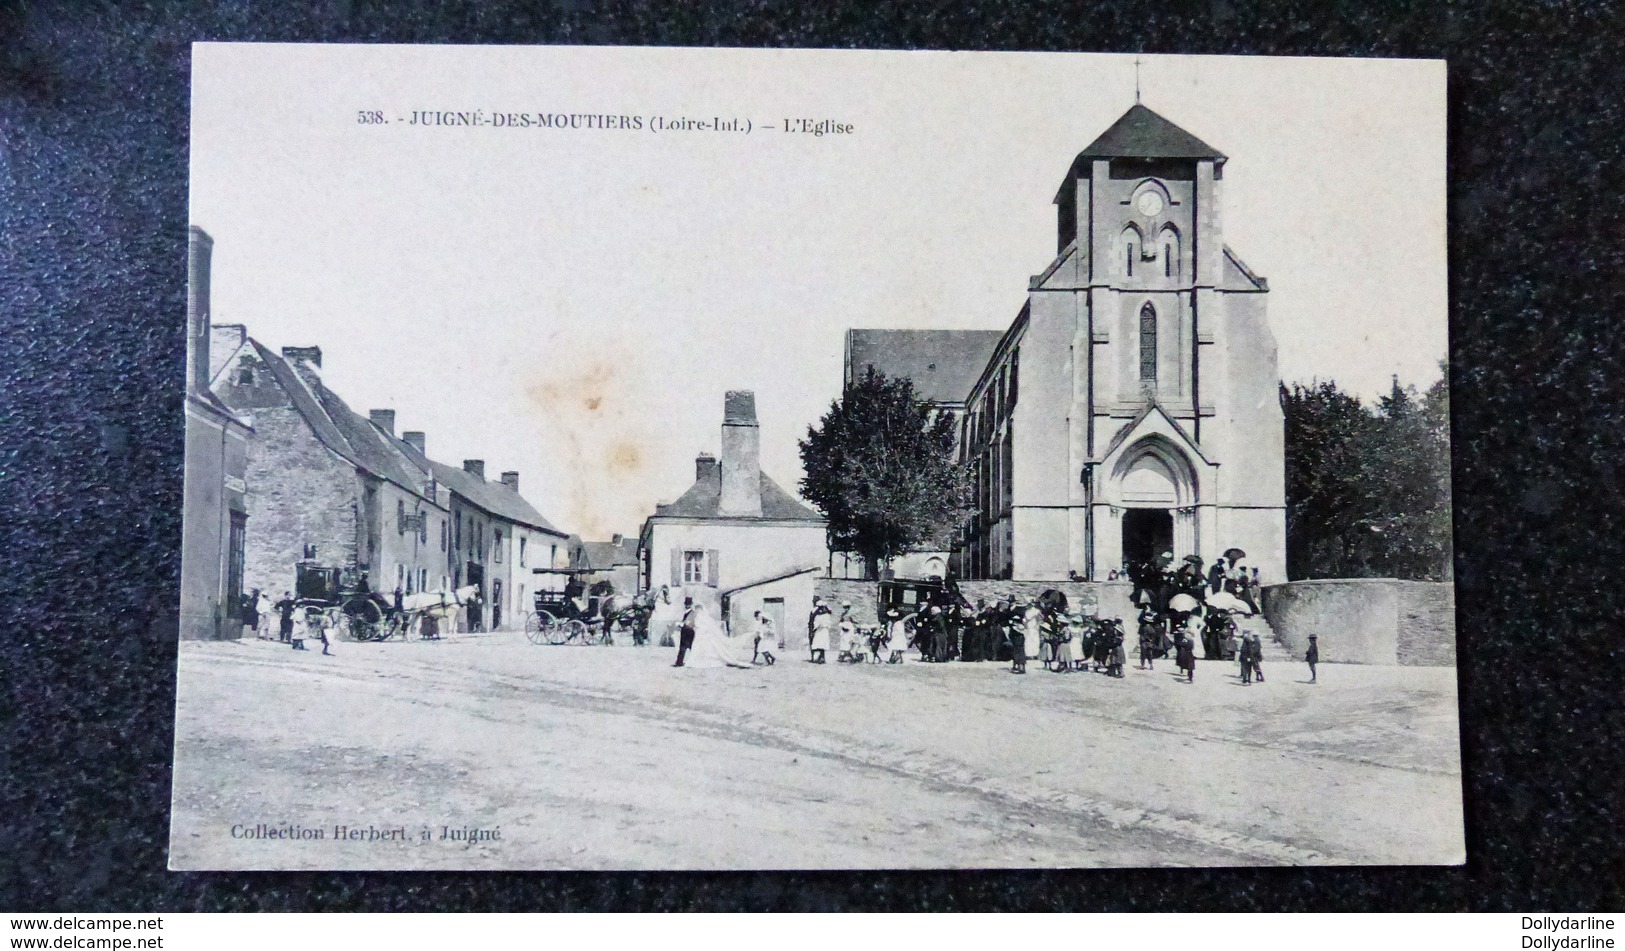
(1186, 612)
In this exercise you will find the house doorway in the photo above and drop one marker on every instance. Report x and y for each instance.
(774, 609)
(1147, 533)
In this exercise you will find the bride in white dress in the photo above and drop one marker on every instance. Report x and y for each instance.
(712, 645)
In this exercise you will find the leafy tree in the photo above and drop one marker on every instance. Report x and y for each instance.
(879, 465)
(1368, 488)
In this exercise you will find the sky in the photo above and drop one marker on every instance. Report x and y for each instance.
(572, 303)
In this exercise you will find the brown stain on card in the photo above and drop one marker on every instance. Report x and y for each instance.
(585, 414)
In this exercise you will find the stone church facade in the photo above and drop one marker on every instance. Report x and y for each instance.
(1132, 407)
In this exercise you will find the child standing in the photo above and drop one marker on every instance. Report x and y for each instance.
(1312, 657)
(767, 640)
(300, 622)
(1118, 655)
(846, 640)
(1185, 657)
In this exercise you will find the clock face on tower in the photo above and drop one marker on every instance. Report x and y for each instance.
(1149, 203)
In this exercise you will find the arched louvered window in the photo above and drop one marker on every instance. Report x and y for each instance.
(1148, 343)
(1169, 240)
(1132, 245)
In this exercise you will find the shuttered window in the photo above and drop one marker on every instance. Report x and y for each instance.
(693, 567)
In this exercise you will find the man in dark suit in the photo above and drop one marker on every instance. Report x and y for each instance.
(686, 637)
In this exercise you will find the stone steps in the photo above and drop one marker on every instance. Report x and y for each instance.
(1274, 650)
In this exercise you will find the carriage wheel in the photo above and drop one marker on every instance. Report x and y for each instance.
(554, 630)
(366, 620)
(536, 625)
(574, 631)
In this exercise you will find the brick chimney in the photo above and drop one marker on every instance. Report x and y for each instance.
(741, 455)
(474, 467)
(705, 466)
(384, 419)
(199, 255)
(511, 480)
(298, 355)
(307, 362)
(416, 440)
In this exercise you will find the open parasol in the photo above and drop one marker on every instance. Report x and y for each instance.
(1181, 602)
(1225, 601)
(1234, 554)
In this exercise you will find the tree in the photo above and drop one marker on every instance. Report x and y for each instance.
(1368, 488)
(880, 466)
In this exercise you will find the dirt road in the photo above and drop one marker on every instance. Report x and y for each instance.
(607, 757)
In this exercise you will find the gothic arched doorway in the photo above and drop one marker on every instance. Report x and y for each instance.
(1156, 491)
(1147, 533)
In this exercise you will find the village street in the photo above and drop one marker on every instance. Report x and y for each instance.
(608, 758)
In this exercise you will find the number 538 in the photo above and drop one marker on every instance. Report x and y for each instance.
(370, 117)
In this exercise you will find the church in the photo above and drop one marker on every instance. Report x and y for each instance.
(1132, 407)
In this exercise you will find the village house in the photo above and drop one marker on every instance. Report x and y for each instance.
(214, 532)
(324, 490)
(614, 561)
(491, 537)
(737, 531)
(1131, 407)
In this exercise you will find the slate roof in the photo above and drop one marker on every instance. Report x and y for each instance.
(355, 439)
(1141, 133)
(493, 497)
(336, 425)
(704, 499)
(602, 556)
(944, 364)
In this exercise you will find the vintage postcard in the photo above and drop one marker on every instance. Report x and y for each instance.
(610, 458)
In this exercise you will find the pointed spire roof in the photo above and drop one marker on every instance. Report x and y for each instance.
(1141, 133)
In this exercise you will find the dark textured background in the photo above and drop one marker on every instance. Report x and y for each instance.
(93, 153)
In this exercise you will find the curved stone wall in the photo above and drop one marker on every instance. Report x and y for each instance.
(1366, 620)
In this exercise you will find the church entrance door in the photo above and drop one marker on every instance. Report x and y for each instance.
(1147, 533)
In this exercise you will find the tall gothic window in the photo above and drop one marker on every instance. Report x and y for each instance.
(1148, 343)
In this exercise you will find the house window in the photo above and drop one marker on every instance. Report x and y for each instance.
(693, 567)
(496, 545)
(552, 556)
(423, 579)
(522, 551)
(442, 534)
(457, 537)
(400, 517)
(245, 376)
(1148, 343)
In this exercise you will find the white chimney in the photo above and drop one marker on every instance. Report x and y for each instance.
(741, 456)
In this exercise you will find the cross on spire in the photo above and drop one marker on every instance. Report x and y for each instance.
(1136, 77)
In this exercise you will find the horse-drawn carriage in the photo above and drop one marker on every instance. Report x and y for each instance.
(361, 614)
(566, 610)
